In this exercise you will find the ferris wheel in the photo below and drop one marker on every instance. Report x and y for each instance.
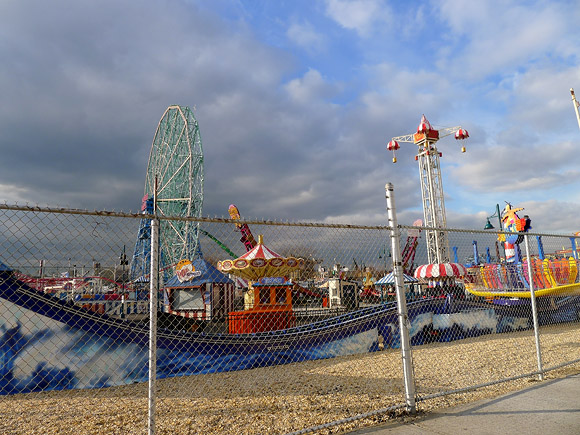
(176, 168)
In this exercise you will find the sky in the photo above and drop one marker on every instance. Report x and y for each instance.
(296, 101)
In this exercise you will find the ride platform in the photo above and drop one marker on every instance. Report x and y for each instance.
(549, 278)
(271, 311)
(561, 290)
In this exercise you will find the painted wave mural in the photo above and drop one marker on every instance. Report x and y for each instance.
(38, 354)
(41, 354)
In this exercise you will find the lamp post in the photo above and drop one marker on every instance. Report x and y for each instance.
(489, 226)
(123, 261)
(385, 253)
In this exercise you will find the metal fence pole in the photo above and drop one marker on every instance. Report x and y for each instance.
(153, 292)
(534, 309)
(401, 301)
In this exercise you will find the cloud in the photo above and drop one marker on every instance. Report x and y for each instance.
(502, 168)
(498, 37)
(87, 92)
(553, 214)
(305, 36)
(290, 131)
(13, 194)
(358, 15)
(311, 87)
(542, 99)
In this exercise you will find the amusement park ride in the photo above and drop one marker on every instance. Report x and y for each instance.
(175, 176)
(247, 236)
(175, 180)
(428, 156)
(517, 276)
(176, 165)
(410, 248)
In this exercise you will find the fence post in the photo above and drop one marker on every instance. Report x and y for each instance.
(534, 309)
(153, 293)
(401, 301)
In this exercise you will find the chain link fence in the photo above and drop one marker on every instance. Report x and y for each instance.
(263, 327)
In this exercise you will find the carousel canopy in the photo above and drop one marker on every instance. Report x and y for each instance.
(259, 263)
(390, 279)
(441, 270)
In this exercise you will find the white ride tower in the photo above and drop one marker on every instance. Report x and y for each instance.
(431, 184)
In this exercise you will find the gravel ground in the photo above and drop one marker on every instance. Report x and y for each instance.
(283, 399)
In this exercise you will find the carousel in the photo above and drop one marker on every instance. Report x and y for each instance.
(268, 300)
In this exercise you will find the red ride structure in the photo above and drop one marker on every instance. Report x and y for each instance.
(247, 237)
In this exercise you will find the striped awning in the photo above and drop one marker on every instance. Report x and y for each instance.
(390, 279)
(441, 270)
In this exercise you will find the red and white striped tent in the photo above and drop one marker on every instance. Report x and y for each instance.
(260, 262)
(440, 271)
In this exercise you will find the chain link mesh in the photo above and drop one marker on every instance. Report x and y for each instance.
(312, 342)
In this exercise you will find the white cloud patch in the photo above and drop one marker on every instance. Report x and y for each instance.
(13, 194)
(305, 35)
(494, 36)
(309, 87)
(357, 15)
(519, 168)
(553, 214)
(542, 99)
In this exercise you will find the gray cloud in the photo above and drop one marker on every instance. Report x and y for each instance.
(84, 85)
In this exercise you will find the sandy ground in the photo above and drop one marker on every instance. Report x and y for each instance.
(284, 399)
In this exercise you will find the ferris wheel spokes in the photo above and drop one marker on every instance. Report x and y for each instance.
(176, 160)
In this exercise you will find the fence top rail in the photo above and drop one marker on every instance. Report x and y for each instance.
(140, 215)
(474, 231)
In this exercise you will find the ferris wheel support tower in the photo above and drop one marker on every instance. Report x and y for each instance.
(431, 183)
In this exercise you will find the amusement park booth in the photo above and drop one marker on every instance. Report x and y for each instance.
(271, 309)
(342, 293)
(202, 292)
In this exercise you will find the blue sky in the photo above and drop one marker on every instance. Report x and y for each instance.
(296, 101)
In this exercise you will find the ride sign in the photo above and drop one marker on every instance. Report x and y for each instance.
(185, 271)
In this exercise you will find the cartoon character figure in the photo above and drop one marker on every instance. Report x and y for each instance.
(514, 224)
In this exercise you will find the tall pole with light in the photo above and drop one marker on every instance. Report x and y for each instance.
(489, 226)
(384, 254)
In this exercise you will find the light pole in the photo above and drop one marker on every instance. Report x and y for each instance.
(385, 253)
(489, 226)
(123, 261)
